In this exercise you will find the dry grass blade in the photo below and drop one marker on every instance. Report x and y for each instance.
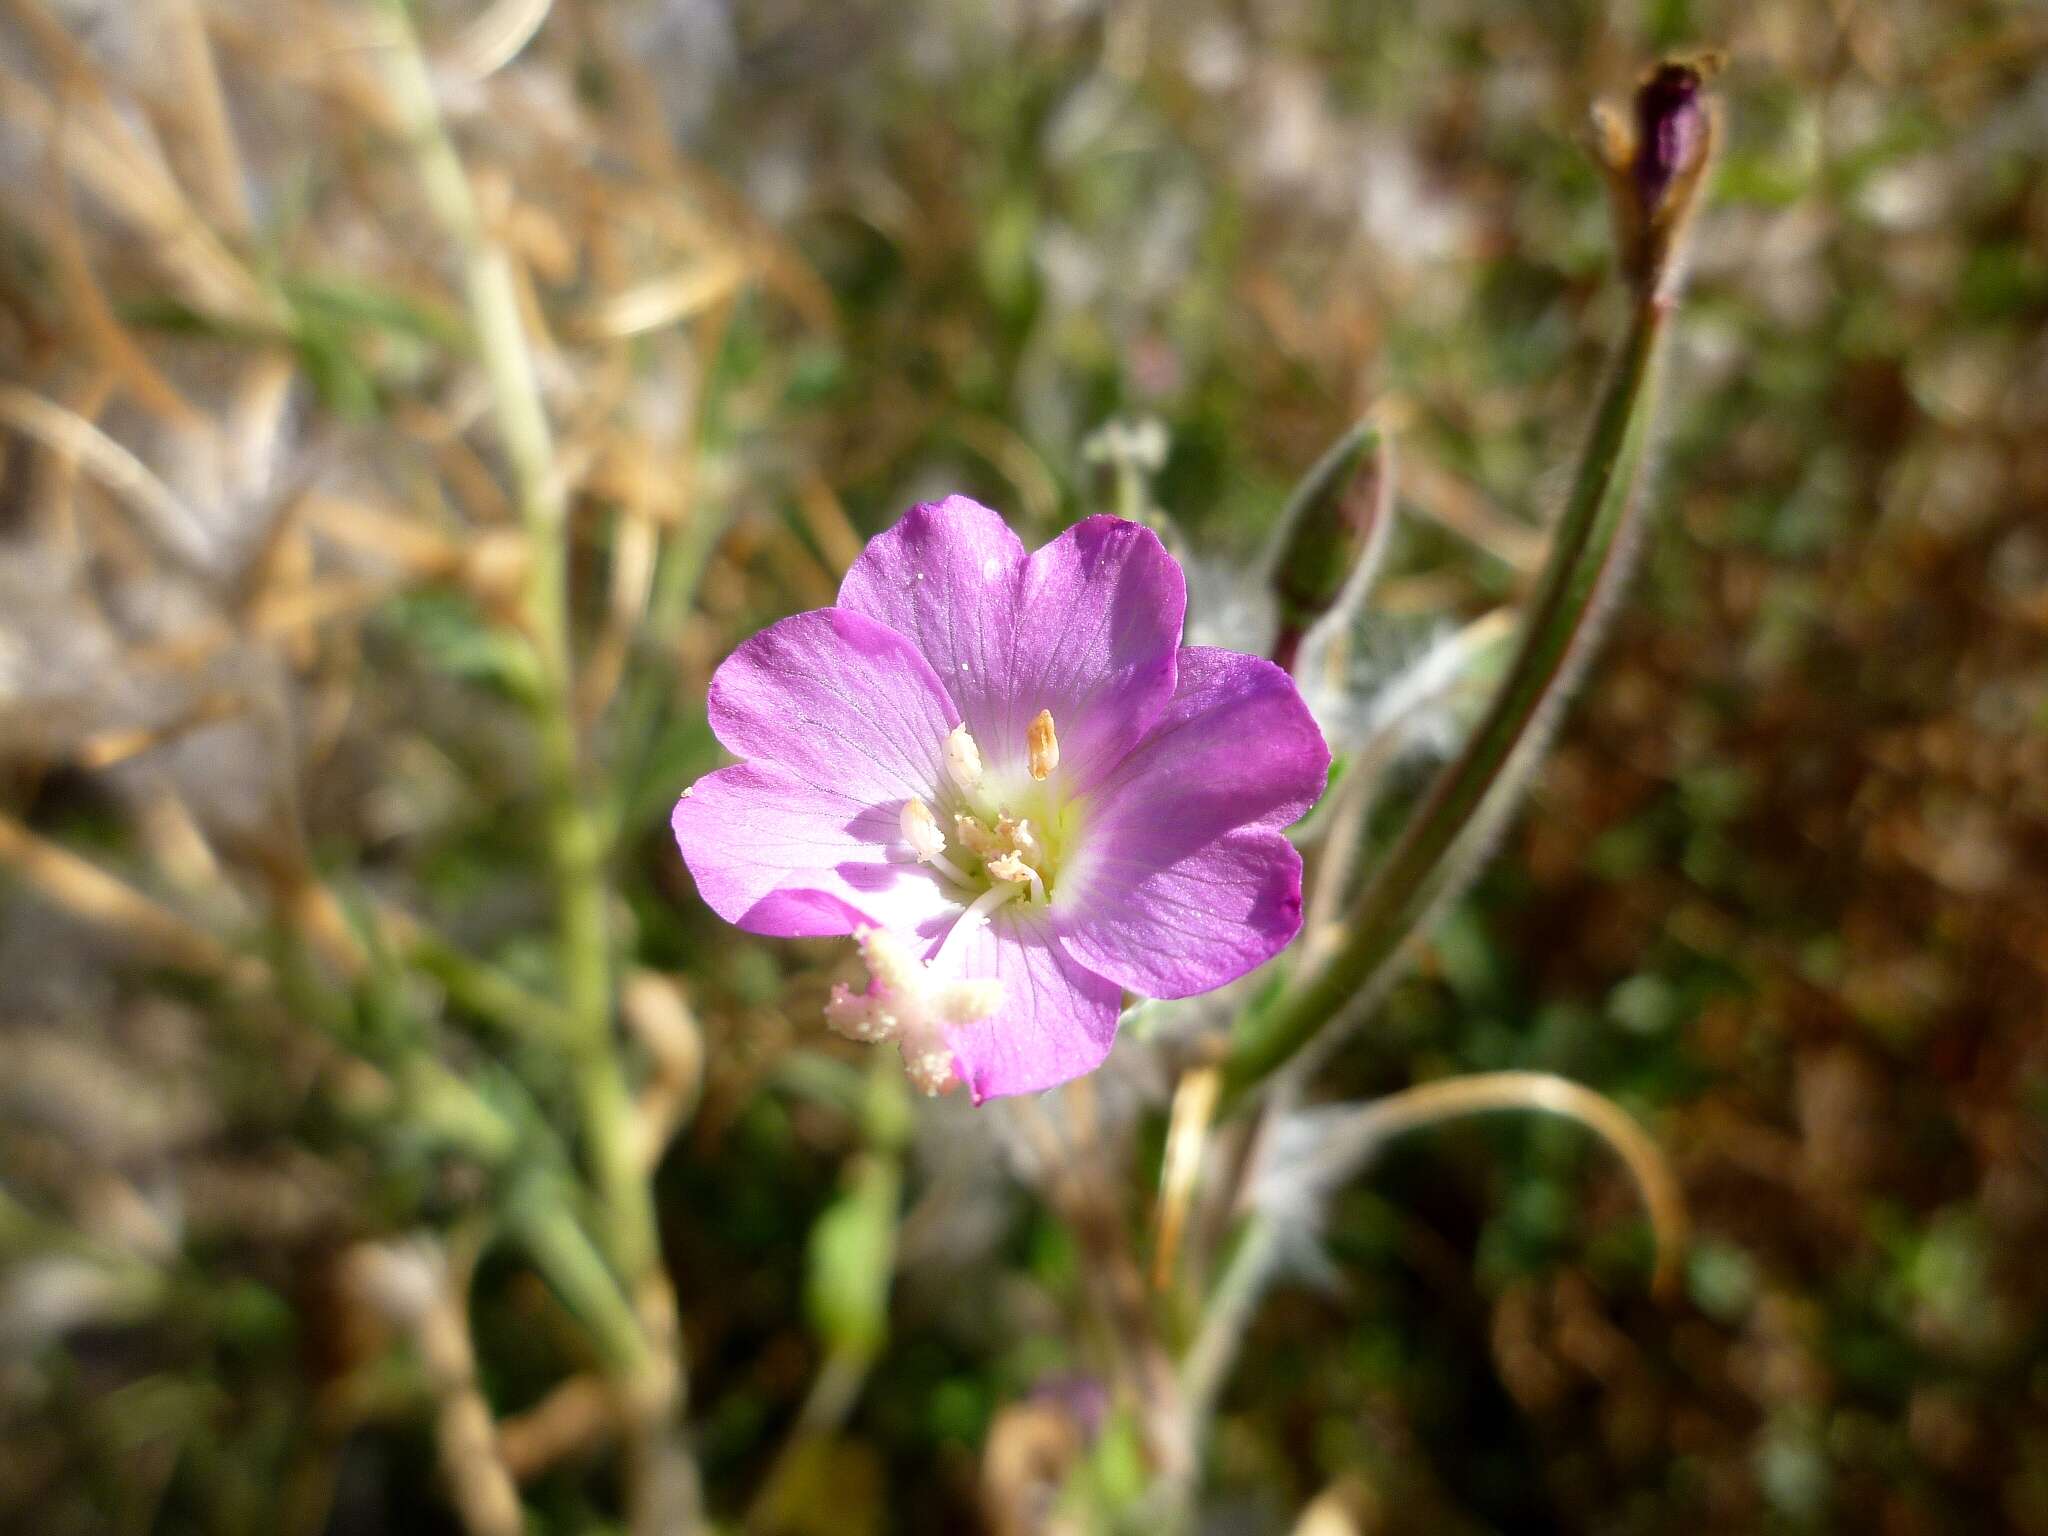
(1366, 1129)
(103, 151)
(575, 1415)
(105, 749)
(86, 891)
(206, 112)
(654, 1008)
(421, 1288)
(666, 300)
(97, 317)
(1464, 510)
(825, 517)
(1187, 1134)
(377, 529)
(495, 38)
(168, 522)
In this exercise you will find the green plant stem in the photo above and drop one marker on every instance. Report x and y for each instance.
(1437, 846)
(662, 1477)
(579, 1275)
(1206, 1365)
(482, 989)
(573, 842)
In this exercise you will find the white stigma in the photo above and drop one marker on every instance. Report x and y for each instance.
(906, 1003)
(963, 759)
(1044, 745)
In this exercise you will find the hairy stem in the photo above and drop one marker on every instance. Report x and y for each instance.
(1443, 837)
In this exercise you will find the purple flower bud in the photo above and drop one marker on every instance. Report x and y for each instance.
(1671, 131)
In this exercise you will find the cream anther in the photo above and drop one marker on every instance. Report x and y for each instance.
(1044, 745)
(921, 831)
(963, 759)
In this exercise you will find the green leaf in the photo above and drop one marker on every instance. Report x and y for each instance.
(852, 1257)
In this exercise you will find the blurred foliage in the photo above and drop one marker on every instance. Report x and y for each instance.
(1779, 890)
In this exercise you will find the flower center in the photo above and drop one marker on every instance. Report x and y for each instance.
(996, 841)
(995, 844)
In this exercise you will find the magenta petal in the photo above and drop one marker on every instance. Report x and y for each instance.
(844, 703)
(1104, 603)
(843, 722)
(1197, 923)
(945, 577)
(1183, 883)
(1057, 1019)
(776, 854)
(1086, 628)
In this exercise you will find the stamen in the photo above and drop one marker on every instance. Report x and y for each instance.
(930, 1072)
(965, 1002)
(921, 831)
(963, 759)
(859, 1016)
(980, 841)
(1008, 836)
(1010, 866)
(1044, 745)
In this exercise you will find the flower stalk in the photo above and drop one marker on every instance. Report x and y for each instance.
(1588, 561)
(573, 839)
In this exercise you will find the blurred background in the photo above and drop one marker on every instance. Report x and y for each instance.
(275, 912)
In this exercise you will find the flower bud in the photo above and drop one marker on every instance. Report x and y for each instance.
(1655, 159)
(1331, 535)
(1671, 131)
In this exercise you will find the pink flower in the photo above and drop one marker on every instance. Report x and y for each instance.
(1004, 775)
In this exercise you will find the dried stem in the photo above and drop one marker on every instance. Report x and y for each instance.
(424, 1289)
(170, 524)
(65, 880)
(1370, 1126)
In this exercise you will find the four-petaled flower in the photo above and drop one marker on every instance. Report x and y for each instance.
(1004, 775)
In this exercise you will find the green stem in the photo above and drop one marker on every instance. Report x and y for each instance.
(1438, 844)
(662, 1476)
(579, 1275)
(574, 844)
